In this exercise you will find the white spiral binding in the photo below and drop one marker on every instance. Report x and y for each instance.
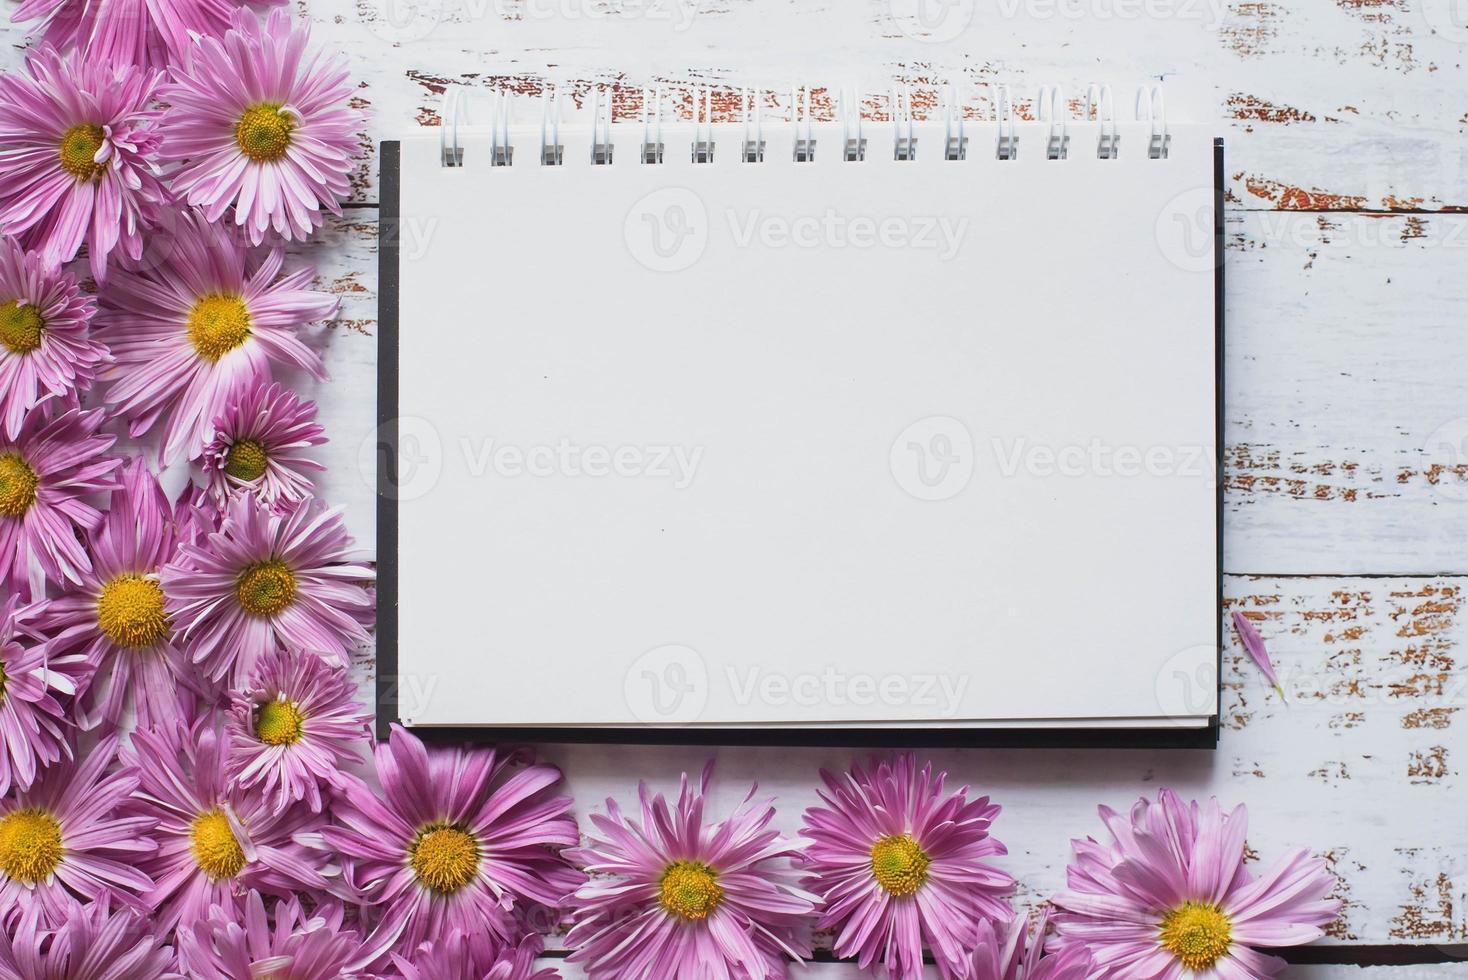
(1051, 110)
(1152, 110)
(1101, 108)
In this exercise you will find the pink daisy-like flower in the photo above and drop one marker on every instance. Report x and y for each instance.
(1010, 952)
(293, 728)
(261, 126)
(462, 839)
(296, 947)
(116, 616)
(195, 332)
(473, 957)
(268, 580)
(92, 944)
(685, 898)
(33, 678)
(1170, 897)
(899, 867)
(215, 842)
(46, 471)
(77, 138)
(127, 32)
(258, 446)
(45, 346)
(68, 838)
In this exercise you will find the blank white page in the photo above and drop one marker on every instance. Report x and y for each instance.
(861, 443)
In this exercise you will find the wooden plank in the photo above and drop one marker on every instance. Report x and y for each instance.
(1345, 430)
(1348, 105)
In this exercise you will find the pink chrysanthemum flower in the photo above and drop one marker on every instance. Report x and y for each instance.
(900, 867)
(33, 678)
(69, 838)
(92, 944)
(473, 957)
(45, 345)
(77, 138)
(1010, 952)
(688, 899)
(195, 332)
(261, 126)
(116, 616)
(293, 727)
(258, 446)
(228, 946)
(1170, 897)
(127, 32)
(46, 471)
(215, 842)
(462, 839)
(264, 581)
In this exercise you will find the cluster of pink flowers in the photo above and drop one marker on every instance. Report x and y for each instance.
(188, 785)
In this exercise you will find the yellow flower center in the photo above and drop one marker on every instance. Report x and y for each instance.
(18, 483)
(899, 864)
(217, 325)
(78, 152)
(444, 857)
(30, 845)
(216, 851)
(278, 723)
(1197, 933)
(266, 587)
(130, 611)
(20, 327)
(264, 132)
(690, 889)
(246, 460)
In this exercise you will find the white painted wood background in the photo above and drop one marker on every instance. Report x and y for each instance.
(1347, 405)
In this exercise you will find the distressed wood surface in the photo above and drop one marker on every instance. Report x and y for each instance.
(1346, 469)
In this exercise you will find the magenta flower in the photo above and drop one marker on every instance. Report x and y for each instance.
(215, 843)
(264, 581)
(227, 946)
(194, 333)
(258, 446)
(127, 32)
(462, 839)
(260, 126)
(293, 727)
(1170, 896)
(33, 679)
(46, 471)
(68, 838)
(45, 346)
(116, 618)
(686, 899)
(899, 867)
(473, 957)
(77, 141)
(91, 944)
(1010, 952)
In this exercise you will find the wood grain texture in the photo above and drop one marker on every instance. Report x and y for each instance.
(1346, 469)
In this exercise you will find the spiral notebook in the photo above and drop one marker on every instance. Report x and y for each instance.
(796, 430)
